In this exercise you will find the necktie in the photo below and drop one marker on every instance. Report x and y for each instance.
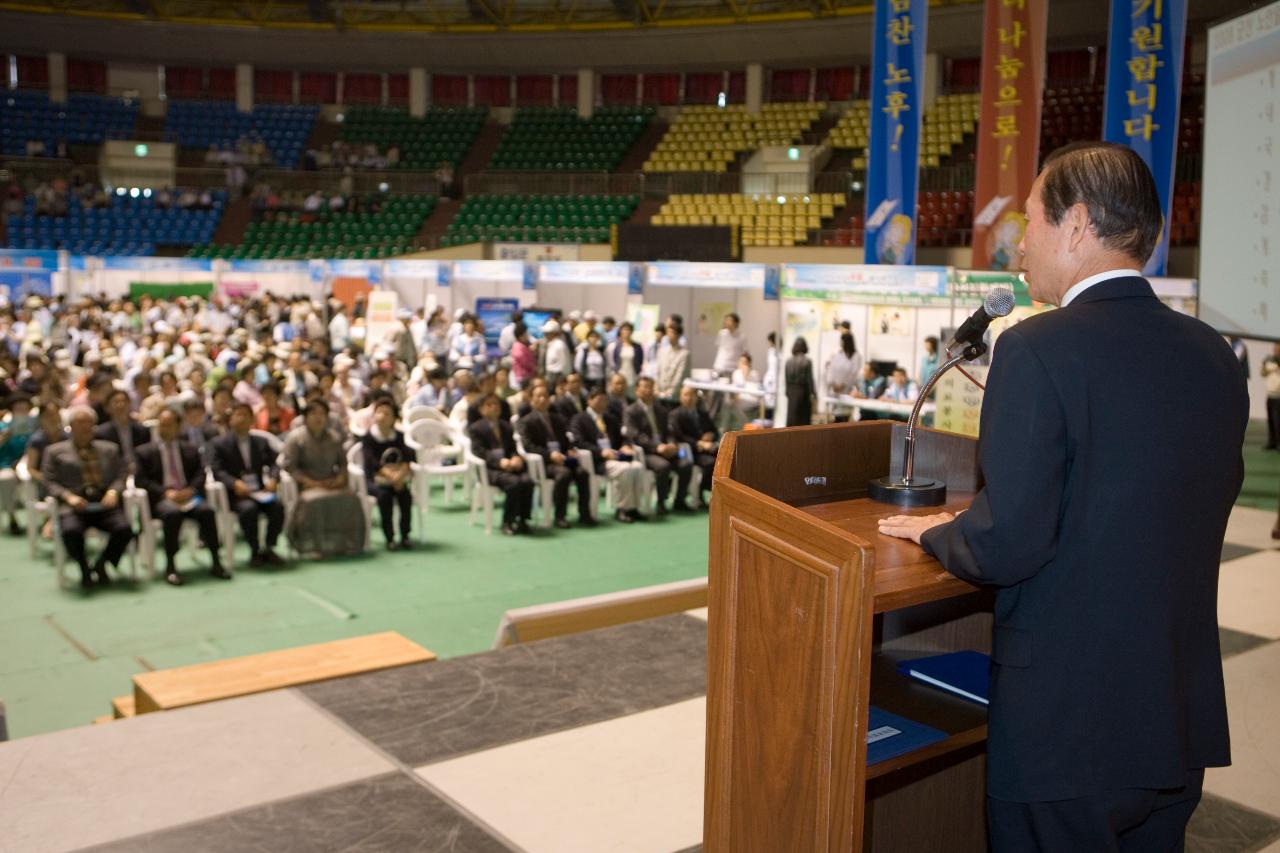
(653, 422)
(174, 477)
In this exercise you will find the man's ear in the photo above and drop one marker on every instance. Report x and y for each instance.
(1078, 225)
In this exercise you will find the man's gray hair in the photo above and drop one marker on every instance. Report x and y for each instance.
(81, 411)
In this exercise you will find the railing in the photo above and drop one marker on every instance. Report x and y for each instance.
(554, 183)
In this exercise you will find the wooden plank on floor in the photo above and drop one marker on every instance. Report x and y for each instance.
(224, 679)
(123, 707)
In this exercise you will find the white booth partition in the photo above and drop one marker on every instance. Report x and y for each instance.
(244, 278)
(703, 293)
(468, 281)
(600, 286)
(416, 283)
(119, 277)
(890, 311)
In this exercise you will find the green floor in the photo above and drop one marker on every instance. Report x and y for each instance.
(66, 655)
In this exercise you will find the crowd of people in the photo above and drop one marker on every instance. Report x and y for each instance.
(340, 154)
(55, 197)
(178, 393)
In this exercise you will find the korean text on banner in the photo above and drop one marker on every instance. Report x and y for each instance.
(1144, 88)
(897, 90)
(1013, 59)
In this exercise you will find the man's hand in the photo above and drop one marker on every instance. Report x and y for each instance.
(110, 499)
(241, 489)
(608, 454)
(668, 450)
(76, 502)
(912, 526)
(557, 458)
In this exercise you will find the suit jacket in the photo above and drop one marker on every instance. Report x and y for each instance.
(689, 425)
(586, 435)
(640, 431)
(567, 409)
(63, 473)
(228, 465)
(149, 475)
(490, 446)
(107, 432)
(1101, 527)
(537, 437)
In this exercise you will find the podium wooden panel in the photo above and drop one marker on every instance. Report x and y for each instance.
(809, 609)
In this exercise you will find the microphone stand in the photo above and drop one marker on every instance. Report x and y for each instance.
(907, 490)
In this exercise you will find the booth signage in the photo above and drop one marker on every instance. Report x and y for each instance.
(870, 283)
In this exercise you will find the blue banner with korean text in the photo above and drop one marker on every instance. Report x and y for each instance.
(1144, 88)
(893, 161)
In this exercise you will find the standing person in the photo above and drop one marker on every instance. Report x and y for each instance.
(1100, 527)
(246, 465)
(798, 378)
(387, 472)
(493, 440)
(929, 362)
(1271, 376)
(673, 364)
(589, 361)
(730, 345)
(624, 356)
(556, 358)
(842, 373)
(170, 472)
(524, 362)
(770, 378)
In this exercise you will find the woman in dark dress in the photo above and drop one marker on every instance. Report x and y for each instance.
(798, 378)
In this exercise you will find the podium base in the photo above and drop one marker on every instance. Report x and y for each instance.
(891, 490)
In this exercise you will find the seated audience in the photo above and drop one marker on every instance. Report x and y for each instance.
(86, 477)
(690, 425)
(328, 518)
(493, 440)
(246, 465)
(15, 432)
(122, 430)
(648, 427)
(387, 472)
(273, 416)
(543, 432)
(171, 473)
(614, 457)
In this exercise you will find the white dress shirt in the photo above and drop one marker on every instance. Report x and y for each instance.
(1083, 285)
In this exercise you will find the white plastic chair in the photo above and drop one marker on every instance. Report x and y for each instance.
(413, 414)
(438, 447)
(138, 505)
(38, 509)
(544, 485)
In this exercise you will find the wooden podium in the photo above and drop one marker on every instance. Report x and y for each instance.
(810, 608)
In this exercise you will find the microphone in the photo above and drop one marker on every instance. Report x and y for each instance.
(999, 303)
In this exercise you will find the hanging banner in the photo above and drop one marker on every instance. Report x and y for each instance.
(693, 274)
(871, 284)
(1013, 59)
(26, 273)
(897, 85)
(1144, 90)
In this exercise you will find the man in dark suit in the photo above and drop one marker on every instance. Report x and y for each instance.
(618, 402)
(571, 402)
(246, 465)
(612, 455)
(543, 433)
(122, 430)
(1100, 526)
(170, 472)
(86, 477)
(689, 424)
(494, 441)
(647, 426)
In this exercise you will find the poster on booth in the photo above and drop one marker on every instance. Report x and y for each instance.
(959, 401)
(380, 317)
(865, 283)
(644, 320)
(24, 274)
(243, 278)
(494, 315)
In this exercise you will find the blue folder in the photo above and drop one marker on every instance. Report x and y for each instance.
(889, 735)
(966, 674)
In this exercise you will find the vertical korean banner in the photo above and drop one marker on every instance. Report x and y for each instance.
(1013, 58)
(893, 163)
(1144, 88)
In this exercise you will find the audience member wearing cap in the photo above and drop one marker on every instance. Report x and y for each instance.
(555, 357)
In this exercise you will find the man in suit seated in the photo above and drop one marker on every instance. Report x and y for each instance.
(494, 441)
(198, 429)
(246, 465)
(170, 472)
(689, 424)
(86, 477)
(647, 426)
(121, 429)
(570, 403)
(618, 402)
(543, 433)
(613, 457)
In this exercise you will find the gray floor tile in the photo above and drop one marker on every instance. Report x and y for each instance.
(390, 812)
(1221, 826)
(1231, 552)
(1233, 642)
(430, 712)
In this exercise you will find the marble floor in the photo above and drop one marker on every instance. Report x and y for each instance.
(590, 742)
